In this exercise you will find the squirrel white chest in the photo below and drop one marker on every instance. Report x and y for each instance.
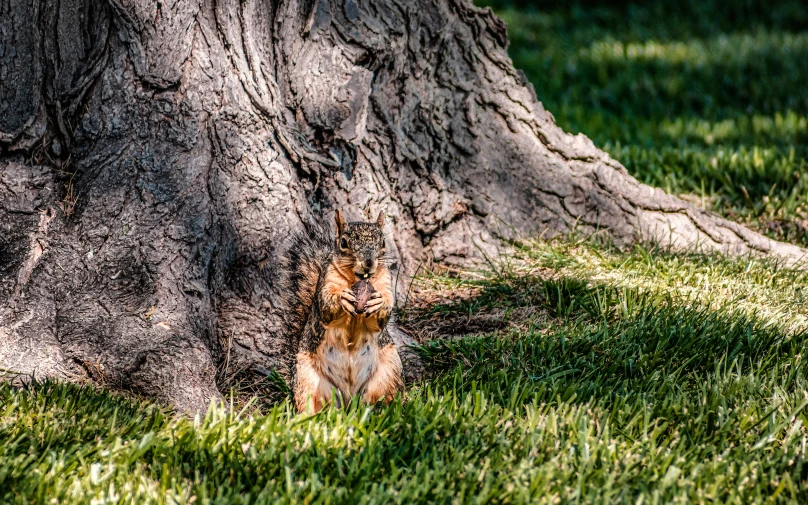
(349, 353)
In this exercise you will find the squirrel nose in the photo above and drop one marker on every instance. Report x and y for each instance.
(369, 263)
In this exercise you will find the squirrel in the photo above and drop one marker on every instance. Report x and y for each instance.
(341, 346)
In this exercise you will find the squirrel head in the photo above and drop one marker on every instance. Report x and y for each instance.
(360, 245)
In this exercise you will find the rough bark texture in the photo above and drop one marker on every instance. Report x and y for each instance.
(154, 156)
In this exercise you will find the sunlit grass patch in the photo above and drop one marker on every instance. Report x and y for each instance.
(779, 129)
(545, 285)
(753, 285)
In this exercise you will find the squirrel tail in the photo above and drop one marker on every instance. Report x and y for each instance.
(307, 253)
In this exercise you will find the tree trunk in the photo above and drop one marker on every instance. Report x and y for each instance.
(154, 156)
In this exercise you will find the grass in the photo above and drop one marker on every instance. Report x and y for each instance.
(565, 372)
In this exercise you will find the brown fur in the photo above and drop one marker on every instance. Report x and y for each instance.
(386, 382)
(312, 391)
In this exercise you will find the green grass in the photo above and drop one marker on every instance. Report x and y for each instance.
(565, 372)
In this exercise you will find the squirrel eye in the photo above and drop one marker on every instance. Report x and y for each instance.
(343, 244)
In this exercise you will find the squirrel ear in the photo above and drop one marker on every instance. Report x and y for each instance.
(340, 219)
(380, 219)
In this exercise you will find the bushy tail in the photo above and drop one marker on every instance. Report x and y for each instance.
(307, 254)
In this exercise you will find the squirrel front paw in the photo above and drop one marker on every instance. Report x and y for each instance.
(348, 301)
(374, 303)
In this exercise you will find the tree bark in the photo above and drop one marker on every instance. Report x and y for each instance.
(155, 155)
